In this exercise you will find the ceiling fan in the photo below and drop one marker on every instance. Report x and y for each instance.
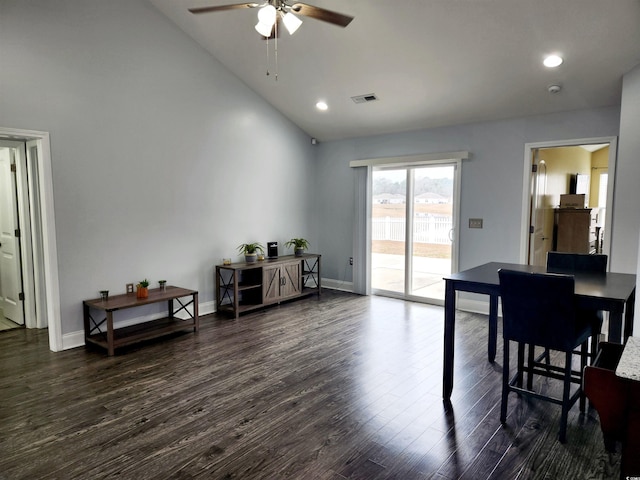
(271, 11)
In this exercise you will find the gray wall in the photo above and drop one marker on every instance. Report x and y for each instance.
(491, 185)
(163, 162)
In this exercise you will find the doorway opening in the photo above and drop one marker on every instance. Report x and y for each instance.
(583, 167)
(36, 229)
(413, 219)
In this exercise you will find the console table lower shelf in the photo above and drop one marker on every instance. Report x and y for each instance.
(102, 332)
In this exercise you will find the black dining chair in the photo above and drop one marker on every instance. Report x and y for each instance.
(565, 262)
(539, 310)
(570, 263)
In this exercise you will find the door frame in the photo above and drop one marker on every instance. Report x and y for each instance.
(362, 226)
(526, 188)
(49, 268)
(455, 223)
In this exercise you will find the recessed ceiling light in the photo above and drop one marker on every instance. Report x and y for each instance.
(552, 61)
(322, 106)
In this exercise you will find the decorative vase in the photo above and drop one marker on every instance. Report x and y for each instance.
(298, 251)
(250, 257)
(142, 292)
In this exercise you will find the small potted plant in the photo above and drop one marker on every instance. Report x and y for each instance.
(299, 246)
(250, 251)
(143, 289)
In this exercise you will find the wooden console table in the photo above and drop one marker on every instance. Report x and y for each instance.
(241, 287)
(103, 333)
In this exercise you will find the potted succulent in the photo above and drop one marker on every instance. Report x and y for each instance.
(299, 245)
(250, 251)
(142, 290)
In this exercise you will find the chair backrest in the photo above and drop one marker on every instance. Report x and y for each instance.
(563, 262)
(538, 308)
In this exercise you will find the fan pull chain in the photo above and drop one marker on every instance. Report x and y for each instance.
(276, 49)
(267, 42)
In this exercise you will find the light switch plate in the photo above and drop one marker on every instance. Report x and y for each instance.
(475, 223)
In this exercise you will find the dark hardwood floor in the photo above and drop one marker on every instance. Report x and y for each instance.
(339, 387)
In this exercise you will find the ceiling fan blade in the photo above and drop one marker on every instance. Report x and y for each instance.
(321, 14)
(219, 8)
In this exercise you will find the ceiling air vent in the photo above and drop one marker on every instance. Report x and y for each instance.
(369, 97)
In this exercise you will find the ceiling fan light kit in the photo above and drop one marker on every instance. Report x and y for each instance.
(271, 11)
(291, 22)
(264, 29)
(266, 20)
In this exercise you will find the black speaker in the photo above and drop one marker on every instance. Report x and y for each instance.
(272, 249)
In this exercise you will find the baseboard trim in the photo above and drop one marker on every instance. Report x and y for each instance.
(475, 306)
(337, 285)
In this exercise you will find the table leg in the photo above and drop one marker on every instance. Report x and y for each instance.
(628, 315)
(86, 321)
(236, 295)
(449, 334)
(196, 317)
(615, 326)
(493, 327)
(110, 337)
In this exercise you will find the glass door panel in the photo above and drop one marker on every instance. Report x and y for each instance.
(432, 230)
(388, 230)
(412, 242)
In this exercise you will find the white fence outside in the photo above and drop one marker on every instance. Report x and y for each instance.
(427, 229)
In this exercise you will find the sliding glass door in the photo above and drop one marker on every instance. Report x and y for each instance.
(413, 218)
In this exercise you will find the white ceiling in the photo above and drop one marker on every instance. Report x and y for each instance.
(430, 62)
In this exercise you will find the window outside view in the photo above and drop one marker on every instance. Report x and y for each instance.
(429, 232)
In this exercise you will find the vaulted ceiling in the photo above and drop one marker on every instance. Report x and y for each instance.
(430, 63)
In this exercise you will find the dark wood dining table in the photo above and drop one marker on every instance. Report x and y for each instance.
(611, 292)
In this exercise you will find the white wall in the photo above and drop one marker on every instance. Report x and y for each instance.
(627, 201)
(491, 185)
(163, 161)
(627, 196)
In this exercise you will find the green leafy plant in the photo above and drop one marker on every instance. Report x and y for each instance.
(144, 283)
(250, 248)
(298, 243)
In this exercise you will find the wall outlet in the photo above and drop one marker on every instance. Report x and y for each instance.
(351, 261)
(129, 287)
(475, 223)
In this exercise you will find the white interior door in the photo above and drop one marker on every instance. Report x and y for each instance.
(541, 214)
(10, 271)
